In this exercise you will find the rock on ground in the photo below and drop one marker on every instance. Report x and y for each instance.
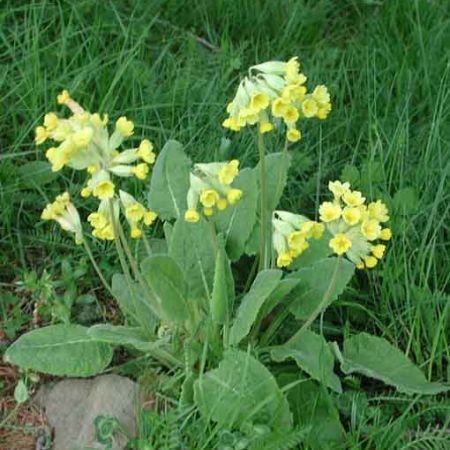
(72, 405)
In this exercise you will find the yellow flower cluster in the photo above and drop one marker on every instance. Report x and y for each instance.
(290, 235)
(275, 92)
(85, 144)
(210, 185)
(65, 213)
(355, 225)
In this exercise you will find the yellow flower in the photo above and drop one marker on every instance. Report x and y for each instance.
(134, 212)
(353, 198)
(293, 92)
(124, 126)
(317, 230)
(191, 215)
(83, 137)
(290, 114)
(97, 220)
(338, 189)
(386, 234)
(233, 196)
(351, 215)
(329, 211)
(208, 211)
(340, 243)
(293, 135)
(265, 127)
(321, 95)
(309, 107)
(209, 197)
(279, 107)
(135, 232)
(85, 192)
(228, 173)
(41, 135)
(284, 259)
(145, 151)
(149, 217)
(378, 250)
(259, 101)
(51, 121)
(140, 171)
(297, 242)
(370, 229)
(378, 211)
(222, 203)
(58, 158)
(323, 111)
(360, 265)
(63, 98)
(370, 262)
(104, 190)
(97, 121)
(91, 169)
(231, 123)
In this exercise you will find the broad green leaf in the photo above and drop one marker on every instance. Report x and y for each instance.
(313, 355)
(36, 174)
(120, 335)
(312, 406)
(283, 288)
(222, 297)
(133, 302)
(317, 250)
(264, 284)
(193, 246)
(236, 222)
(239, 390)
(320, 284)
(170, 182)
(62, 350)
(21, 392)
(375, 357)
(167, 285)
(350, 174)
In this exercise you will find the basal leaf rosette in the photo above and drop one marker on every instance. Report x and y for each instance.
(273, 94)
(211, 189)
(356, 227)
(84, 143)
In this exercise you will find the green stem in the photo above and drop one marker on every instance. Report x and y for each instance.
(263, 263)
(97, 268)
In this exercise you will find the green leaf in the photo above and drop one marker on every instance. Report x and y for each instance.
(133, 302)
(239, 390)
(170, 182)
(167, 285)
(321, 283)
(350, 174)
(264, 284)
(120, 335)
(62, 350)
(313, 355)
(317, 250)
(236, 222)
(36, 174)
(193, 247)
(375, 357)
(405, 201)
(312, 406)
(222, 298)
(283, 288)
(21, 392)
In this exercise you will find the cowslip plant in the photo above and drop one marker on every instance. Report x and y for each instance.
(250, 354)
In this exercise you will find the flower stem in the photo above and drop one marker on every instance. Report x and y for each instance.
(263, 260)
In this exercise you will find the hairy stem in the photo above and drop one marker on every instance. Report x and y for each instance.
(263, 260)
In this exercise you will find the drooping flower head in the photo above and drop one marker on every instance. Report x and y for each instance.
(290, 235)
(211, 188)
(274, 93)
(356, 227)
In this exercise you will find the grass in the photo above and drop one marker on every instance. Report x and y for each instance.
(171, 66)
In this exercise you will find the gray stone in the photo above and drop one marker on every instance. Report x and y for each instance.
(72, 405)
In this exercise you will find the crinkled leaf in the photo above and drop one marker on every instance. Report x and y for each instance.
(323, 281)
(170, 182)
(236, 222)
(375, 357)
(120, 335)
(239, 390)
(62, 350)
(167, 286)
(313, 355)
(193, 247)
(264, 284)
